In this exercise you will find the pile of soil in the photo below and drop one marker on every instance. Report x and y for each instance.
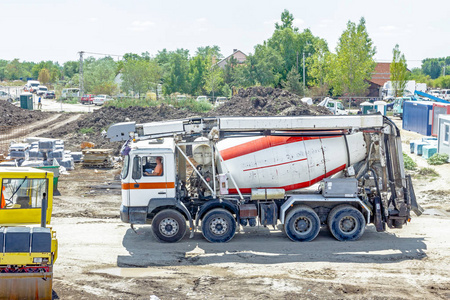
(266, 101)
(90, 127)
(12, 116)
(255, 101)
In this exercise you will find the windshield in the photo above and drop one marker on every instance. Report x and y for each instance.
(34, 84)
(126, 162)
(339, 105)
(23, 192)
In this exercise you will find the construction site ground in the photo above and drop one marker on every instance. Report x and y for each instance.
(102, 258)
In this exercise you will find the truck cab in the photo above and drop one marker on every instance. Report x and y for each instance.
(138, 182)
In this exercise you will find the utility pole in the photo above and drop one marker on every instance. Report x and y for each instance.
(304, 82)
(81, 74)
(297, 61)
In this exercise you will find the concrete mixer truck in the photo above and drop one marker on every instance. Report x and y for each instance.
(301, 172)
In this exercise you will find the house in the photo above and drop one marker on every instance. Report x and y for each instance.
(380, 75)
(444, 134)
(238, 55)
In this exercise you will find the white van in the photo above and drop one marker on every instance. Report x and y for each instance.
(31, 86)
(70, 93)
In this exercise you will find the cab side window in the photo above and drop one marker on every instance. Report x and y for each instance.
(152, 166)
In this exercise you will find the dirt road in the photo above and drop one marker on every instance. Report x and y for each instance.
(102, 258)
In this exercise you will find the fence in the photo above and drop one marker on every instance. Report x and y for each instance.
(9, 134)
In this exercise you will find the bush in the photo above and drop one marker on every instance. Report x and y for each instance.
(428, 172)
(408, 162)
(87, 130)
(438, 159)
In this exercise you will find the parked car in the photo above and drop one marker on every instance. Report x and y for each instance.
(202, 98)
(101, 99)
(31, 86)
(49, 95)
(6, 96)
(87, 99)
(41, 89)
(70, 93)
(220, 101)
(181, 97)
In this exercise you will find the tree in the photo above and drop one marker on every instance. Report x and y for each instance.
(214, 80)
(398, 71)
(319, 66)
(44, 76)
(70, 68)
(354, 63)
(292, 82)
(99, 75)
(287, 21)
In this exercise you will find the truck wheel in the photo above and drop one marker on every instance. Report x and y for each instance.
(218, 226)
(302, 224)
(346, 223)
(169, 226)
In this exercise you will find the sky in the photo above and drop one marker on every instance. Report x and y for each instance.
(36, 30)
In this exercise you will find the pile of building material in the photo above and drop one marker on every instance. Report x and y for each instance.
(97, 158)
(40, 152)
(425, 147)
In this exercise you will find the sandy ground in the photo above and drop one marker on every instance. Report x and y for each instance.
(102, 258)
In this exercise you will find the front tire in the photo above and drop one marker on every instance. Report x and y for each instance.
(169, 226)
(302, 224)
(346, 223)
(218, 226)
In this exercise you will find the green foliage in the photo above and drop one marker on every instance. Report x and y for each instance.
(214, 80)
(44, 76)
(354, 61)
(434, 66)
(428, 172)
(287, 20)
(408, 162)
(86, 130)
(139, 74)
(99, 76)
(319, 66)
(292, 83)
(443, 81)
(398, 71)
(438, 159)
(189, 104)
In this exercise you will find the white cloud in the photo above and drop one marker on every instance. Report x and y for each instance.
(388, 28)
(325, 22)
(141, 25)
(93, 19)
(201, 20)
(298, 22)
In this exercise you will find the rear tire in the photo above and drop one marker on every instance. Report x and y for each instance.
(346, 223)
(169, 226)
(218, 226)
(302, 224)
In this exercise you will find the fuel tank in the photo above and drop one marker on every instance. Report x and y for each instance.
(285, 162)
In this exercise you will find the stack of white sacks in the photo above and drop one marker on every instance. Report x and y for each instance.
(38, 152)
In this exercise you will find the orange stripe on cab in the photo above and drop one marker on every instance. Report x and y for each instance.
(148, 185)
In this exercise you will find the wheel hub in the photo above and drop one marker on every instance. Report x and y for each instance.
(348, 224)
(303, 225)
(168, 227)
(218, 226)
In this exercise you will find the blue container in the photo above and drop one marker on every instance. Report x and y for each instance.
(428, 151)
(418, 116)
(412, 145)
(418, 147)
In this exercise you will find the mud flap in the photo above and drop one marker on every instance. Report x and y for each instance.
(411, 197)
(378, 217)
(26, 285)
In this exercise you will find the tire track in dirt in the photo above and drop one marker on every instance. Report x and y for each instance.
(36, 129)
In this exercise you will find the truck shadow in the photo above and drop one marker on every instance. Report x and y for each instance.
(261, 246)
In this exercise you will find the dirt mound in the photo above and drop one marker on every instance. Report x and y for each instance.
(266, 101)
(90, 127)
(13, 116)
(256, 101)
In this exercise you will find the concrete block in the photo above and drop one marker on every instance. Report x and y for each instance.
(77, 156)
(55, 154)
(35, 154)
(47, 145)
(428, 151)
(67, 163)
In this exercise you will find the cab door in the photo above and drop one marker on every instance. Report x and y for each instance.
(144, 185)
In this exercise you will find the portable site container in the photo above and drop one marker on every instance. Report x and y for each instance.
(418, 116)
(444, 134)
(365, 107)
(439, 109)
(26, 101)
(381, 106)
